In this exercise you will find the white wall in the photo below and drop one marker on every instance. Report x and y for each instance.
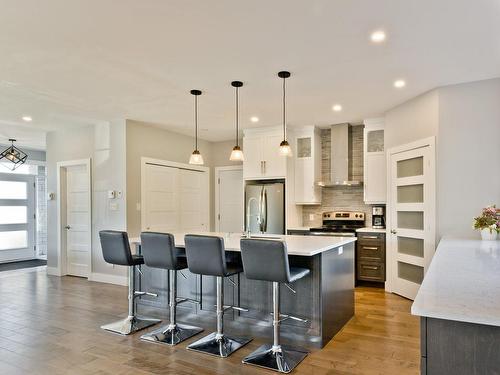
(465, 119)
(105, 145)
(468, 155)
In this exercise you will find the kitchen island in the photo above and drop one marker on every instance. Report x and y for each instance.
(459, 306)
(325, 297)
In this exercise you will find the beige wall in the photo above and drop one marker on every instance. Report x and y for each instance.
(465, 119)
(413, 120)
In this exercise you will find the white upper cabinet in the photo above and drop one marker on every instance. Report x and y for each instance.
(307, 166)
(262, 157)
(375, 184)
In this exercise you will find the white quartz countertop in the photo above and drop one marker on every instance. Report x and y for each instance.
(462, 283)
(300, 229)
(370, 230)
(296, 245)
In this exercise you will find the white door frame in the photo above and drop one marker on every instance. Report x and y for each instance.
(217, 188)
(173, 164)
(61, 246)
(430, 205)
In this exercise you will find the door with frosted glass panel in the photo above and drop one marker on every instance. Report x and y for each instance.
(17, 217)
(412, 221)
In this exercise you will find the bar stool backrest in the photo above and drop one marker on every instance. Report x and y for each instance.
(205, 255)
(159, 251)
(265, 260)
(116, 247)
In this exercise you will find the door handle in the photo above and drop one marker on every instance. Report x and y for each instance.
(393, 231)
(67, 227)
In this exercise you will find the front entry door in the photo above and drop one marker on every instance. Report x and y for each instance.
(412, 215)
(17, 217)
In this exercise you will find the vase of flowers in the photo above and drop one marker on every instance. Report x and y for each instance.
(488, 223)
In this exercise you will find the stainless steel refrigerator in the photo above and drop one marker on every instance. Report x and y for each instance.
(265, 207)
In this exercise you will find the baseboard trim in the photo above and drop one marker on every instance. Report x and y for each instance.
(54, 271)
(108, 279)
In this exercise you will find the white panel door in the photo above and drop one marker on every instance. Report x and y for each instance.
(412, 217)
(230, 201)
(78, 237)
(194, 201)
(17, 217)
(162, 199)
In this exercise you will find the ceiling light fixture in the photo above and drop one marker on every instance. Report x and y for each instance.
(337, 107)
(14, 155)
(254, 119)
(27, 118)
(285, 148)
(378, 36)
(399, 84)
(237, 154)
(196, 157)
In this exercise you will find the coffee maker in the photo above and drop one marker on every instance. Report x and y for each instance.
(378, 217)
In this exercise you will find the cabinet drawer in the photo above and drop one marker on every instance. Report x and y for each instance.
(371, 237)
(371, 252)
(371, 271)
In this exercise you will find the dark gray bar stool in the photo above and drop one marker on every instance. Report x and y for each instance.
(206, 256)
(267, 260)
(116, 250)
(159, 251)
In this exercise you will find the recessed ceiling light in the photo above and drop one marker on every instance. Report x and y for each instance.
(27, 118)
(378, 36)
(254, 119)
(337, 108)
(399, 83)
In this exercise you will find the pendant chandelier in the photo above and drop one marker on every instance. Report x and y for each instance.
(285, 148)
(237, 154)
(14, 155)
(196, 157)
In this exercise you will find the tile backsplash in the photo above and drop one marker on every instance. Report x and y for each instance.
(341, 198)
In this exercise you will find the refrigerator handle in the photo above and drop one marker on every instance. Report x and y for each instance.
(264, 213)
(261, 217)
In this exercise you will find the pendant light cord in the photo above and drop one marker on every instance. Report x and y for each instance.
(237, 116)
(284, 110)
(196, 122)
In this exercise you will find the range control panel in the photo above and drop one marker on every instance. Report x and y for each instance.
(343, 215)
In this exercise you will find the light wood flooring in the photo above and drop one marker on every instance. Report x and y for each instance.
(50, 325)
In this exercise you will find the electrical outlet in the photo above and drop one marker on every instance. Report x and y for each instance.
(311, 217)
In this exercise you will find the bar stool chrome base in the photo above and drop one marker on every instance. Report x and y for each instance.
(130, 325)
(282, 358)
(171, 334)
(218, 345)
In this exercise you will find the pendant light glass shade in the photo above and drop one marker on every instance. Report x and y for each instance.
(14, 155)
(237, 153)
(285, 149)
(196, 157)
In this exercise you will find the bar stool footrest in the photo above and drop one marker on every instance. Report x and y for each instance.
(283, 360)
(172, 335)
(219, 346)
(130, 325)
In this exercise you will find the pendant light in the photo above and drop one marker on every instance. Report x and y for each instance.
(237, 154)
(14, 155)
(285, 148)
(196, 157)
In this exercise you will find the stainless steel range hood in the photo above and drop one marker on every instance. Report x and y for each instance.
(339, 159)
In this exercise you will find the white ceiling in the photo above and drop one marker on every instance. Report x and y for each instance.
(67, 63)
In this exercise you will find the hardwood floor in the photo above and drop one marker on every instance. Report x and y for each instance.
(50, 325)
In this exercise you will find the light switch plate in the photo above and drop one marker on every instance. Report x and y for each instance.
(311, 217)
(341, 250)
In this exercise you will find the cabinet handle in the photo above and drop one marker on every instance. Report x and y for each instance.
(370, 237)
(261, 167)
(264, 167)
(370, 248)
(370, 267)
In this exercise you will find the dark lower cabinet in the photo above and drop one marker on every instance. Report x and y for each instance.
(370, 257)
(449, 347)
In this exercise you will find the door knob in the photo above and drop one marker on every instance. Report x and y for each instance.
(393, 231)
(67, 227)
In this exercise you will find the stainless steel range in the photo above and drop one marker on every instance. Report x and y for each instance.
(340, 223)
